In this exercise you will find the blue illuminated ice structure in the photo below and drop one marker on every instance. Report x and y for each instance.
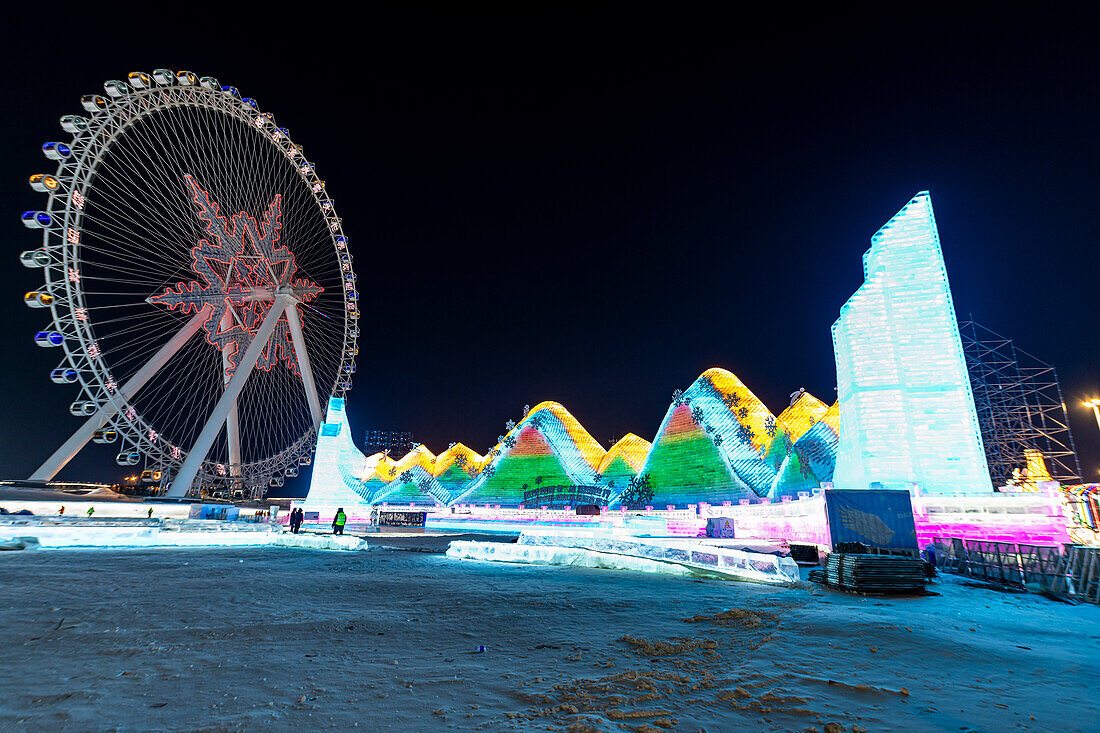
(906, 409)
(334, 478)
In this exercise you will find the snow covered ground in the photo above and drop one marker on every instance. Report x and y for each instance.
(276, 638)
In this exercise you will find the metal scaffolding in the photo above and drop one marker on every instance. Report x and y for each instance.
(1019, 405)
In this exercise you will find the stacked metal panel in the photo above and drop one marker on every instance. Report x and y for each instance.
(874, 573)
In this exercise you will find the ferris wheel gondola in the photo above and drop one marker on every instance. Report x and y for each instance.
(179, 209)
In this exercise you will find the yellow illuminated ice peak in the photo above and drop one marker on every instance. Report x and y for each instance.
(631, 449)
(801, 416)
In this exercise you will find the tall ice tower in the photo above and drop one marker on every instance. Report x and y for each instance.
(906, 409)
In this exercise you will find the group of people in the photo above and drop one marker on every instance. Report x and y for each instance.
(91, 511)
(297, 516)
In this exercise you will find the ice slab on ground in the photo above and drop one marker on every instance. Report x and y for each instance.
(107, 536)
(53, 532)
(319, 541)
(19, 543)
(646, 554)
(569, 556)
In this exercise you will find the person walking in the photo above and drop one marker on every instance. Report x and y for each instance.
(150, 512)
(91, 511)
(339, 521)
(296, 517)
(61, 510)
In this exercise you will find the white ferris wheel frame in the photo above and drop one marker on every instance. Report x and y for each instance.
(108, 407)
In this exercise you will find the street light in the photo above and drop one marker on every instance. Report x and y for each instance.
(1094, 403)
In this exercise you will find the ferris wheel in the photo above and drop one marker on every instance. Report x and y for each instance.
(199, 282)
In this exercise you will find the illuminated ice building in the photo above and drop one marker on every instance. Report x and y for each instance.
(905, 416)
(906, 406)
(718, 443)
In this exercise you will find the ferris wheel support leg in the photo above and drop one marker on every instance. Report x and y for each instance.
(295, 323)
(80, 438)
(181, 484)
(232, 422)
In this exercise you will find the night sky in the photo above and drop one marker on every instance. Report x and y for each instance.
(594, 210)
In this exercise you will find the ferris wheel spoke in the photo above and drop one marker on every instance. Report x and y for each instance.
(84, 433)
(121, 210)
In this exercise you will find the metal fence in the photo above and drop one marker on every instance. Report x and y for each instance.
(1075, 573)
(1083, 573)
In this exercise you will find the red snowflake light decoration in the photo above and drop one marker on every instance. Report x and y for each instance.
(241, 269)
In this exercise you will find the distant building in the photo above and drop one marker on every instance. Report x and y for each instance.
(380, 441)
(906, 407)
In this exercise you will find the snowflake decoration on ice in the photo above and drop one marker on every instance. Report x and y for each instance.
(240, 268)
(803, 463)
(770, 426)
(510, 424)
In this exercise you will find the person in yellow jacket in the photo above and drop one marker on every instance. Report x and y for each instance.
(339, 521)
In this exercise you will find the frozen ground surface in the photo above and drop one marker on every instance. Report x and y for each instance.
(274, 638)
